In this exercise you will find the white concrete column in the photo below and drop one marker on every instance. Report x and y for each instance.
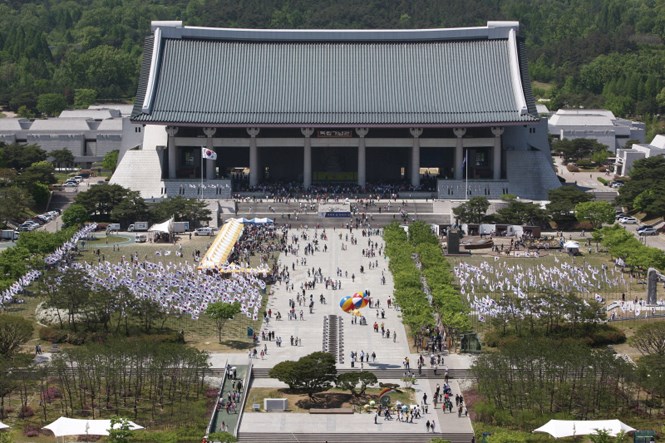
(210, 164)
(496, 153)
(307, 157)
(172, 148)
(254, 173)
(459, 152)
(362, 157)
(415, 156)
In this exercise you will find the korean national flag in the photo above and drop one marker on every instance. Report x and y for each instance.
(208, 154)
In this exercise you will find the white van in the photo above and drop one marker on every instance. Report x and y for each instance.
(204, 231)
(141, 238)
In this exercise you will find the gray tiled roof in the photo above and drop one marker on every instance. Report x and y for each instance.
(440, 83)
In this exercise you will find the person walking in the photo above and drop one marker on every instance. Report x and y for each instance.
(427, 425)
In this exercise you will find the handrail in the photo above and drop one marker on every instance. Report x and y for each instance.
(209, 429)
(241, 410)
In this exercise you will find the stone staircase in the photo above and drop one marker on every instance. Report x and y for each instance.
(378, 437)
(384, 374)
(333, 338)
(606, 196)
(460, 189)
(209, 189)
(308, 215)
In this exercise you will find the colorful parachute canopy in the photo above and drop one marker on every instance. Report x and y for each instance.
(351, 303)
(346, 303)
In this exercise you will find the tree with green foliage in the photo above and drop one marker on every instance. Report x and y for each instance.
(51, 104)
(83, 98)
(356, 382)
(563, 200)
(649, 339)
(421, 232)
(20, 156)
(100, 200)
(645, 174)
(120, 431)
(651, 376)
(652, 200)
(472, 211)
(183, 209)
(15, 204)
(221, 312)
(62, 157)
(67, 291)
(522, 213)
(25, 112)
(38, 172)
(75, 215)
(579, 148)
(595, 212)
(313, 373)
(110, 161)
(14, 332)
(132, 208)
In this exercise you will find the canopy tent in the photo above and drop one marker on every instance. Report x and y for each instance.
(3, 426)
(259, 221)
(571, 428)
(571, 244)
(165, 227)
(72, 426)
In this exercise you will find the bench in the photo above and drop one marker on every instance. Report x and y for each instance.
(331, 411)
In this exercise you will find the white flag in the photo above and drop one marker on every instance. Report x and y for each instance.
(208, 154)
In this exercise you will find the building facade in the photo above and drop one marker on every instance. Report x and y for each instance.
(429, 109)
(88, 133)
(626, 157)
(597, 124)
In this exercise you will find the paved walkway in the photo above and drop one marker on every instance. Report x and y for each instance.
(355, 337)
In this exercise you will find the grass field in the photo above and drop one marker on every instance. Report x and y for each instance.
(201, 333)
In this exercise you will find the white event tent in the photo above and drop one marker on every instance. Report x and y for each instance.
(73, 426)
(165, 227)
(3, 426)
(571, 428)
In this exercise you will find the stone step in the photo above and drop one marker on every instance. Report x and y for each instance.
(258, 437)
(381, 374)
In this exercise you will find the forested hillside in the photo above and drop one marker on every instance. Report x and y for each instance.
(586, 52)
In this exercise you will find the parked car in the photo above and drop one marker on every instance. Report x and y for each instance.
(648, 231)
(70, 185)
(204, 231)
(628, 220)
(643, 227)
(28, 225)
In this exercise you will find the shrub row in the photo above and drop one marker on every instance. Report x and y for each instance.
(416, 310)
(446, 298)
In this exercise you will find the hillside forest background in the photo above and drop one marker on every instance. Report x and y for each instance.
(583, 53)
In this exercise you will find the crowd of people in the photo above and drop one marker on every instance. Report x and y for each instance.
(499, 278)
(177, 288)
(11, 294)
(281, 191)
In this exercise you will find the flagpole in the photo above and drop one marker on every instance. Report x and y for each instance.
(466, 174)
(202, 172)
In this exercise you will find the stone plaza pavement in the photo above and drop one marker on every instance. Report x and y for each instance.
(356, 337)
